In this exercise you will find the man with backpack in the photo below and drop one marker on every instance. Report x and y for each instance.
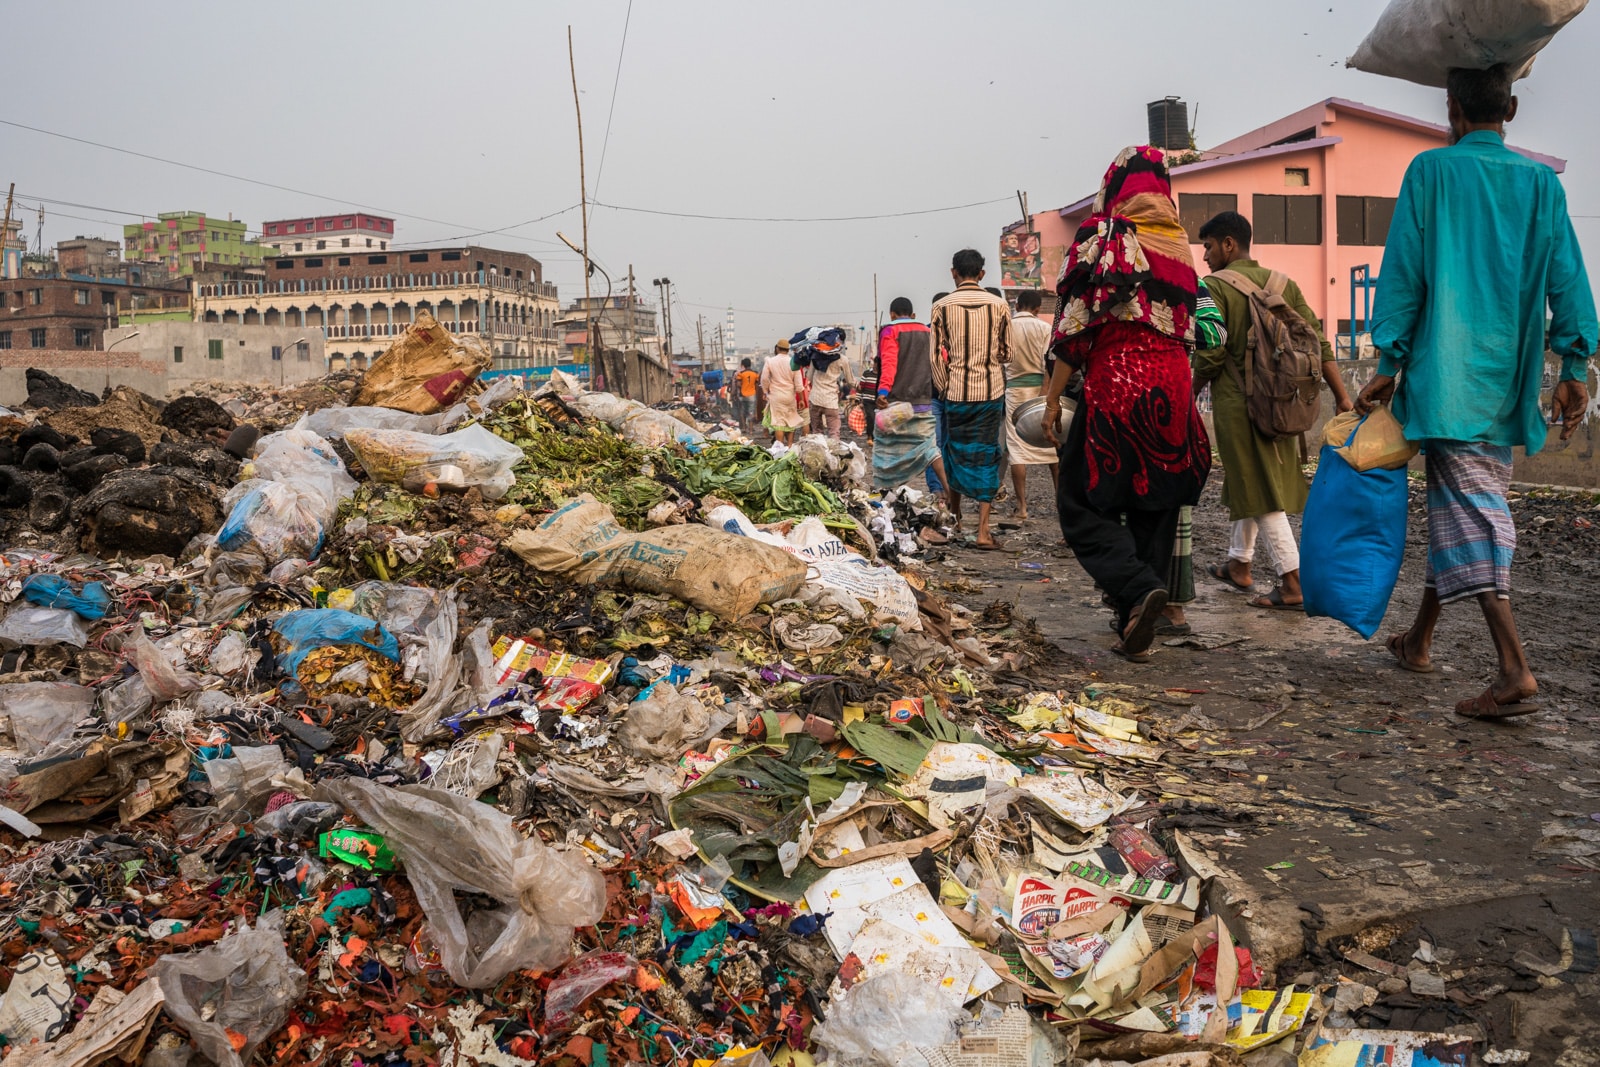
(1264, 396)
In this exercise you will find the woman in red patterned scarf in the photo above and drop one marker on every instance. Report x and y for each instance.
(1136, 451)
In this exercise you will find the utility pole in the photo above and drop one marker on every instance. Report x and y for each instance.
(700, 331)
(722, 349)
(5, 228)
(583, 206)
(631, 344)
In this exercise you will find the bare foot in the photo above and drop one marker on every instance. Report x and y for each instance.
(1400, 646)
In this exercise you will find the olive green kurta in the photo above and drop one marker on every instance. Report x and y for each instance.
(1259, 475)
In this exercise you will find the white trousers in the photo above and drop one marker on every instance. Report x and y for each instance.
(1273, 528)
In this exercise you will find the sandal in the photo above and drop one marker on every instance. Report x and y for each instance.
(994, 545)
(1131, 657)
(1397, 649)
(1141, 632)
(1274, 601)
(1174, 629)
(1219, 571)
(1484, 706)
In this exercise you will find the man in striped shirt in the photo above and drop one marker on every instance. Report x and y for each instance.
(974, 328)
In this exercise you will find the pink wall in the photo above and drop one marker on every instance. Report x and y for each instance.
(1369, 159)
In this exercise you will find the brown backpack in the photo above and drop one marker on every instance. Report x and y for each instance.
(1283, 361)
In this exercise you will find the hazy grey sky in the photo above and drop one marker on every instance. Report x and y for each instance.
(462, 112)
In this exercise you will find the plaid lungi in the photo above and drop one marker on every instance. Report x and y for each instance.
(1471, 537)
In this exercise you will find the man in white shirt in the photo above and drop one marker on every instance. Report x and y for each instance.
(1030, 337)
(827, 386)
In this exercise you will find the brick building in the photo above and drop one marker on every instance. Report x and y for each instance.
(72, 313)
(92, 256)
(362, 301)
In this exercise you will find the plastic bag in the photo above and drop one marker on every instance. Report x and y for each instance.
(663, 723)
(240, 988)
(301, 632)
(54, 591)
(715, 571)
(31, 627)
(1376, 441)
(1352, 542)
(894, 418)
(648, 428)
(1422, 40)
(280, 520)
(470, 457)
(336, 422)
(469, 767)
(444, 669)
(582, 979)
(301, 821)
(162, 678)
(126, 701)
(41, 713)
(448, 844)
(306, 461)
(426, 370)
(400, 608)
(245, 780)
(882, 1019)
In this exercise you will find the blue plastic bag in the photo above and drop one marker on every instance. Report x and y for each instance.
(312, 628)
(54, 591)
(1352, 542)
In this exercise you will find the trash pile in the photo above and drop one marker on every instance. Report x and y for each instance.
(469, 726)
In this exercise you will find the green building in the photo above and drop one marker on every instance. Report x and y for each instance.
(186, 242)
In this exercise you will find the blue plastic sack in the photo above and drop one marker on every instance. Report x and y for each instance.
(1352, 542)
(305, 631)
(54, 591)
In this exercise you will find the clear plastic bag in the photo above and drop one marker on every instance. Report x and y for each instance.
(336, 422)
(306, 461)
(460, 460)
(31, 627)
(582, 979)
(469, 768)
(401, 608)
(43, 712)
(163, 679)
(243, 985)
(443, 668)
(279, 520)
(880, 1021)
(664, 723)
(246, 780)
(301, 632)
(448, 844)
(126, 701)
(300, 821)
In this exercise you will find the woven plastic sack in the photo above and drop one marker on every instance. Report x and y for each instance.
(1422, 40)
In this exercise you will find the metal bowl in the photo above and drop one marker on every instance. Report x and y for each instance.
(1028, 420)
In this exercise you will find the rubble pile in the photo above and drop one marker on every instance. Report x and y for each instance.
(555, 729)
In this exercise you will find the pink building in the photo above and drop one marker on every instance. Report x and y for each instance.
(1318, 187)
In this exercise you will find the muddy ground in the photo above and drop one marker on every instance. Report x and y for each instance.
(1376, 813)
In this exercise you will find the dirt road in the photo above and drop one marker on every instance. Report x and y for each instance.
(1395, 821)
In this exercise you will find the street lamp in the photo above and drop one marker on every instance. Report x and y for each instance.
(112, 345)
(283, 357)
(665, 286)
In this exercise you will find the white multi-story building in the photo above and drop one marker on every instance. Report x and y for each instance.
(361, 301)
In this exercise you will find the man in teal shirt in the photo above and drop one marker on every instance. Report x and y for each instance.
(1473, 219)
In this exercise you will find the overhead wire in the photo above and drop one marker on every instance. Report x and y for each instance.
(612, 110)
(811, 218)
